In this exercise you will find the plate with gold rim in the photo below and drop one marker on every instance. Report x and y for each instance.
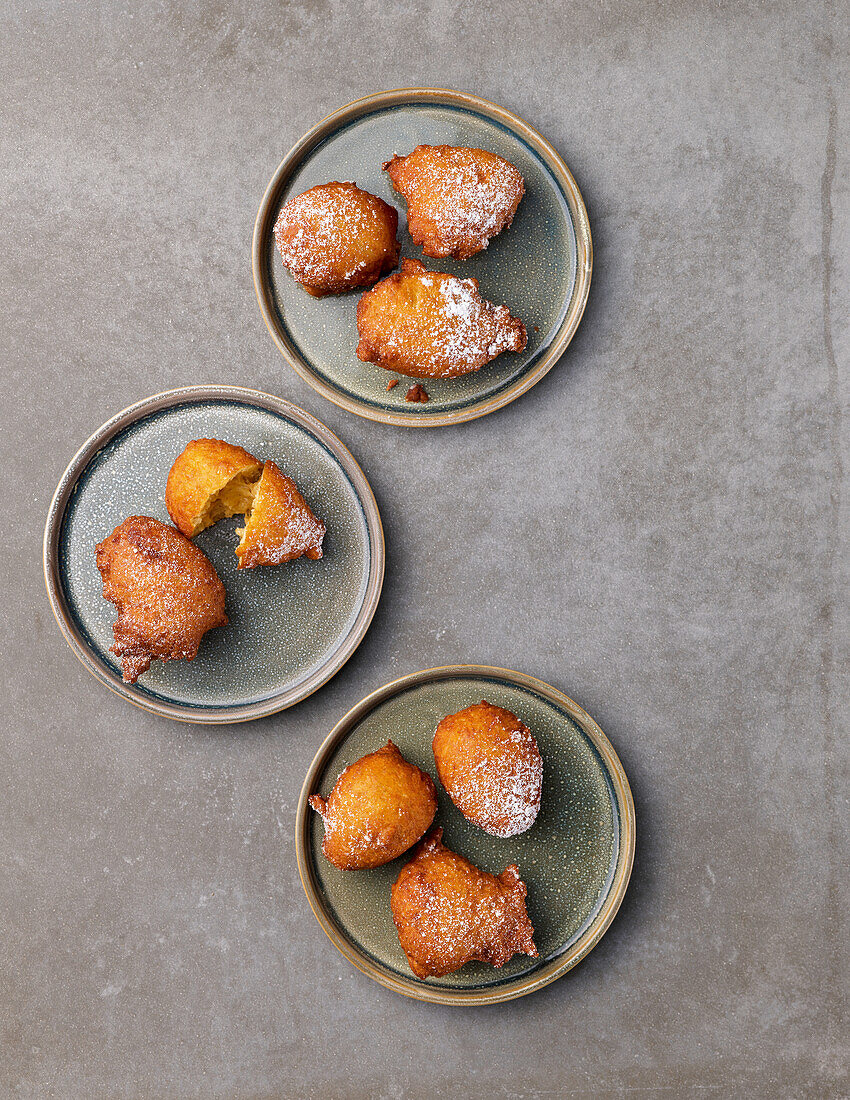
(291, 627)
(540, 266)
(576, 858)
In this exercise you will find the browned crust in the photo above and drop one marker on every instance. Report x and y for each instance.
(372, 346)
(310, 266)
(448, 912)
(490, 765)
(167, 592)
(379, 807)
(281, 525)
(201, 470)
(437, 232)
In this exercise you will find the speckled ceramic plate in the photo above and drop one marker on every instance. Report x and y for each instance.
(540, 267)
(576, 859)
(291, 627)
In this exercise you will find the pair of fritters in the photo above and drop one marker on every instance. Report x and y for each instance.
(425, 324)
(166, 589)
(447, 911)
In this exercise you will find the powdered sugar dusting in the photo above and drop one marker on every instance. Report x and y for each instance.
(337, 234)
(457, 198)
(281, 526)
(507, 788)
(442, 328)
(379, 806)
(166, 590)
(448, 912)
(303, 532)
(489, 763)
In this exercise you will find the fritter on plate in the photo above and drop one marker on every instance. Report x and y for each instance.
(166, 590)
(335, 237)
(379, 806)
(457, 199)
(428, 324)
(209, 481)
(489, 763)
(448, 912)
(280, 525)
(212, 479)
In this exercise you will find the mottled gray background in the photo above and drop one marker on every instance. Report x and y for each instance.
(656, 529)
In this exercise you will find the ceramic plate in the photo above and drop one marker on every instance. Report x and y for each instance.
(576, 859)
(540, 267)
(291, 627)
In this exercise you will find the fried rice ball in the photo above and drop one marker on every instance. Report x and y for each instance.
(166, 590)
(457, 199)
(489, 763)
(279, 526)
(378, 808)
(448, 912)
(428, 324)
(335, 237)
(209, 481)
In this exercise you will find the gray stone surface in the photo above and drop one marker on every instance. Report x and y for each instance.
(655, 528)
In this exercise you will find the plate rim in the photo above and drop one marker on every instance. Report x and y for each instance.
(552, 159)
(180, 712)
(521, 986)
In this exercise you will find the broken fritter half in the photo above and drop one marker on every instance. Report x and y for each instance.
(448, 912)
(166, 590)
(336, 237)
(378, 808)
(489, 763)
(209, 481)
(428, 324)
(279, 526)
(457, 199)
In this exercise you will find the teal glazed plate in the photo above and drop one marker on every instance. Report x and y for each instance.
(575, 859)
(539, 267)
(291, 627)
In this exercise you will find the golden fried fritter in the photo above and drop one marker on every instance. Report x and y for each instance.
(491, 767)
(380, 806)
(335, 237)
(279, 526)
(457, 199)
(212, 480)
(428, 324)
(209, 481)
(166, 590)
(448, 912)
